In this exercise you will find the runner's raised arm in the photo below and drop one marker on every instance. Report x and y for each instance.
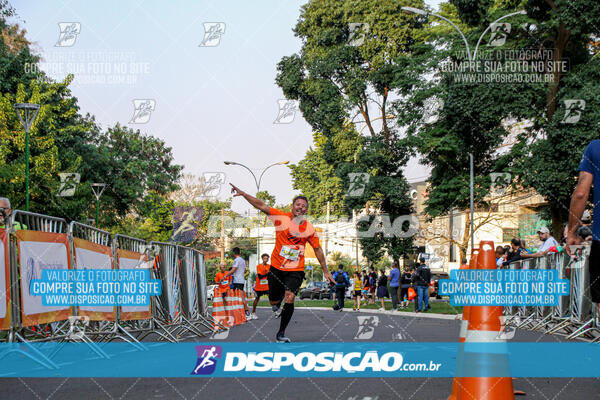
(254, 202)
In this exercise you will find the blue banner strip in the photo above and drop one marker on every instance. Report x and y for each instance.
(324, 360)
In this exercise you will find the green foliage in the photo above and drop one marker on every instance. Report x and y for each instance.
(134, 166)
(315, 177)
(543, 157)
(335, 81)
(336, 258)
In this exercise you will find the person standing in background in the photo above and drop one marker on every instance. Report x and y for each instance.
(422, 279)
(237, 272)
(395, 285)
(372, 283)
(341, 283)
(382, 290)
(405, 281)
(357, 290)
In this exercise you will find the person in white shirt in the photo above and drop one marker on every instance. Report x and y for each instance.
(237, 272)
(547, 242)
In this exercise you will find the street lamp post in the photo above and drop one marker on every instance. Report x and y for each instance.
(257, 182)
(30, 111)
(471, 58)
(98, 189)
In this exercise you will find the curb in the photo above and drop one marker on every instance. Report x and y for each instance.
(387, 312)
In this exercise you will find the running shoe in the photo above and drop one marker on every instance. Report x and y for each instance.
(281, 338)
(254, 316)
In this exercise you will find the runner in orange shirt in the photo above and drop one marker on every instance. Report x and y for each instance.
(261, 286)
(292, 231)
(222, 280)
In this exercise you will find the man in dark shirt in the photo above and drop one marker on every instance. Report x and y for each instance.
(589, 174)
(515, 252)
(422, 279)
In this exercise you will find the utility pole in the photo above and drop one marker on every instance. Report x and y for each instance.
(222, 236)
(30, 111)
(327, 231)
(356, 230)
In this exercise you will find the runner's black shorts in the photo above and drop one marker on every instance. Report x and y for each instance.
(236, 286)
(595, 271)
(261, 293)
(280, 281)
(357, 293)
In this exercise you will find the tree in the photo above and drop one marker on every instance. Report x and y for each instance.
(475, 114)
(342, 72)
(315, 177)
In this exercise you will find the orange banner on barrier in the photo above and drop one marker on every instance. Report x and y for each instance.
(127, 259)
(5, 302)
(39, 251)
(90, 255)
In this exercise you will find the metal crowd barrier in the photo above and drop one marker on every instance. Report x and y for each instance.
(192, 282)
(575, 316)
(182, 307)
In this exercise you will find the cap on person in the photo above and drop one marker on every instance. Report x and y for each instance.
(543, 229)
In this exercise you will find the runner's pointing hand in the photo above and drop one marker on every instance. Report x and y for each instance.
(328, 276)
(236, 190)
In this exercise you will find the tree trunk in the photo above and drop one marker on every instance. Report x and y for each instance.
(560, 44)
(558, 221)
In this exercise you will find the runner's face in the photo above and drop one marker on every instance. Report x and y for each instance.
(265, 260)
(299, 208)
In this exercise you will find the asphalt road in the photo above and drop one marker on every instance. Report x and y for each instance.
(307, 325)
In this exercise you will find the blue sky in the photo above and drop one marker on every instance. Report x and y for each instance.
(211, 103)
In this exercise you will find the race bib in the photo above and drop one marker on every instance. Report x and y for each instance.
(226, 283)
(289, 253)
(264, 281)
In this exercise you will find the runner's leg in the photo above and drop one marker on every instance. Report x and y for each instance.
(288, 311)
(256, 298)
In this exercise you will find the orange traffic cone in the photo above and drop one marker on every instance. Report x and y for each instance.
(219, 313)
(242, 296)
(485, 327)
(463, 329)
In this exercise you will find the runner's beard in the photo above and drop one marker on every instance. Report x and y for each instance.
(298, 219)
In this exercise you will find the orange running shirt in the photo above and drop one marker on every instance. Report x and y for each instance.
(262, 283)
(290, 241)
(223, 283)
